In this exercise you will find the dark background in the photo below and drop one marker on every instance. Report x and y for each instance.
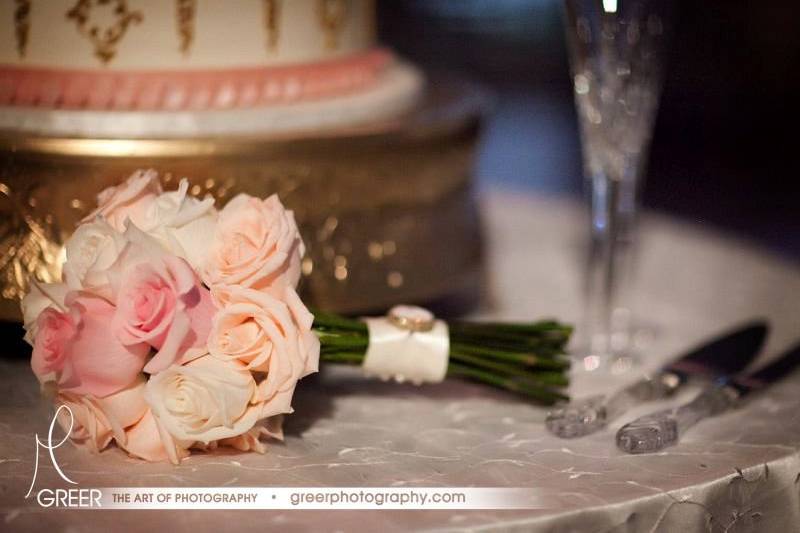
(725, 148)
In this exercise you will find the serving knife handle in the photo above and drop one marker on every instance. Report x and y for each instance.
(589, 415)
(654, 432)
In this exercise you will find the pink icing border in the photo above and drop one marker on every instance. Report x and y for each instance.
(191, 89)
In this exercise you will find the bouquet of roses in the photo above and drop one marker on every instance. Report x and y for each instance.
(177, 326)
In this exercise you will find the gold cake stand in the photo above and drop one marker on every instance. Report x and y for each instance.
(386, 210)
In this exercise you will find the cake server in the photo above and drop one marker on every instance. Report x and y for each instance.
(654, 432)
(725, 355)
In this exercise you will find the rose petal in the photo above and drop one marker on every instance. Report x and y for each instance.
(129, 200)
(170, 349)
(219, 393)
(40, 297)
(124, 408)
(97, 362)
(279, 403)
(90, 426)
(256, 244)
(145, 440)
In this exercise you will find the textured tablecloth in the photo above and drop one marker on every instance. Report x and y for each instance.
(738, 472)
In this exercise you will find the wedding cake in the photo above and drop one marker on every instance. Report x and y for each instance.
(287, 97)
(178, 68)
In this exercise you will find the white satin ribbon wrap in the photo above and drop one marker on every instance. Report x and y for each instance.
(403, 355)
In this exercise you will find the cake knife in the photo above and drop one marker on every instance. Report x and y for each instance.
(725, 355)
(654, 432)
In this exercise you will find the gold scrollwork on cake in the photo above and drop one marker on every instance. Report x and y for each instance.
(332, 16)
(185, 11)
(105, 40)
(272, 15)
(22, 24)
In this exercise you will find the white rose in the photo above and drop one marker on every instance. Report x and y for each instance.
(91, 251)
(131, 199)
(204, 400)
(40, 297)
(183, 223)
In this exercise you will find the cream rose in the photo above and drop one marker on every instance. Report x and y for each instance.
(181, 223)
(250, 440)
(204, 400)
(91, 251)
(130, 200)
(95, 421)
(267, 335)
(148, 440)
(256, 244)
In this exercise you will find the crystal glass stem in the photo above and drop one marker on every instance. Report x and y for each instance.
(613, 204)
(616, 54)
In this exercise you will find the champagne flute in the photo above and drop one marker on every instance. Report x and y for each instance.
(617, 50)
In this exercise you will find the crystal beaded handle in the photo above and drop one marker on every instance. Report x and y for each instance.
(587, 416)
(656, 431)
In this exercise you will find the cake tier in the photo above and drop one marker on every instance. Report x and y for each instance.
(392, 92)
(184, 54)
(195, 89)
(111, 35)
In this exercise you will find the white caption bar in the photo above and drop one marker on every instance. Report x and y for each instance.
(297, 498)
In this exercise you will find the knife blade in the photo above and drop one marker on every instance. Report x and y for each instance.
(726, 354)
(656, 431)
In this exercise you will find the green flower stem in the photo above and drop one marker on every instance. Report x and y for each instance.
(336, 322)
(523, 358)
(542, 327)
(541, 394)
(507, 338)
(346, 358)
(349, 342)
(528, 359)
(510, 340)
(542, 350)
(511, 371)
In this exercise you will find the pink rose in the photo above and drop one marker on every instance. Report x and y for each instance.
(267, 335)
(95, 421)
(89, 358)
(160, 302)
(40, 297)
(55, 332)
(133, 200)
(256, 244)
